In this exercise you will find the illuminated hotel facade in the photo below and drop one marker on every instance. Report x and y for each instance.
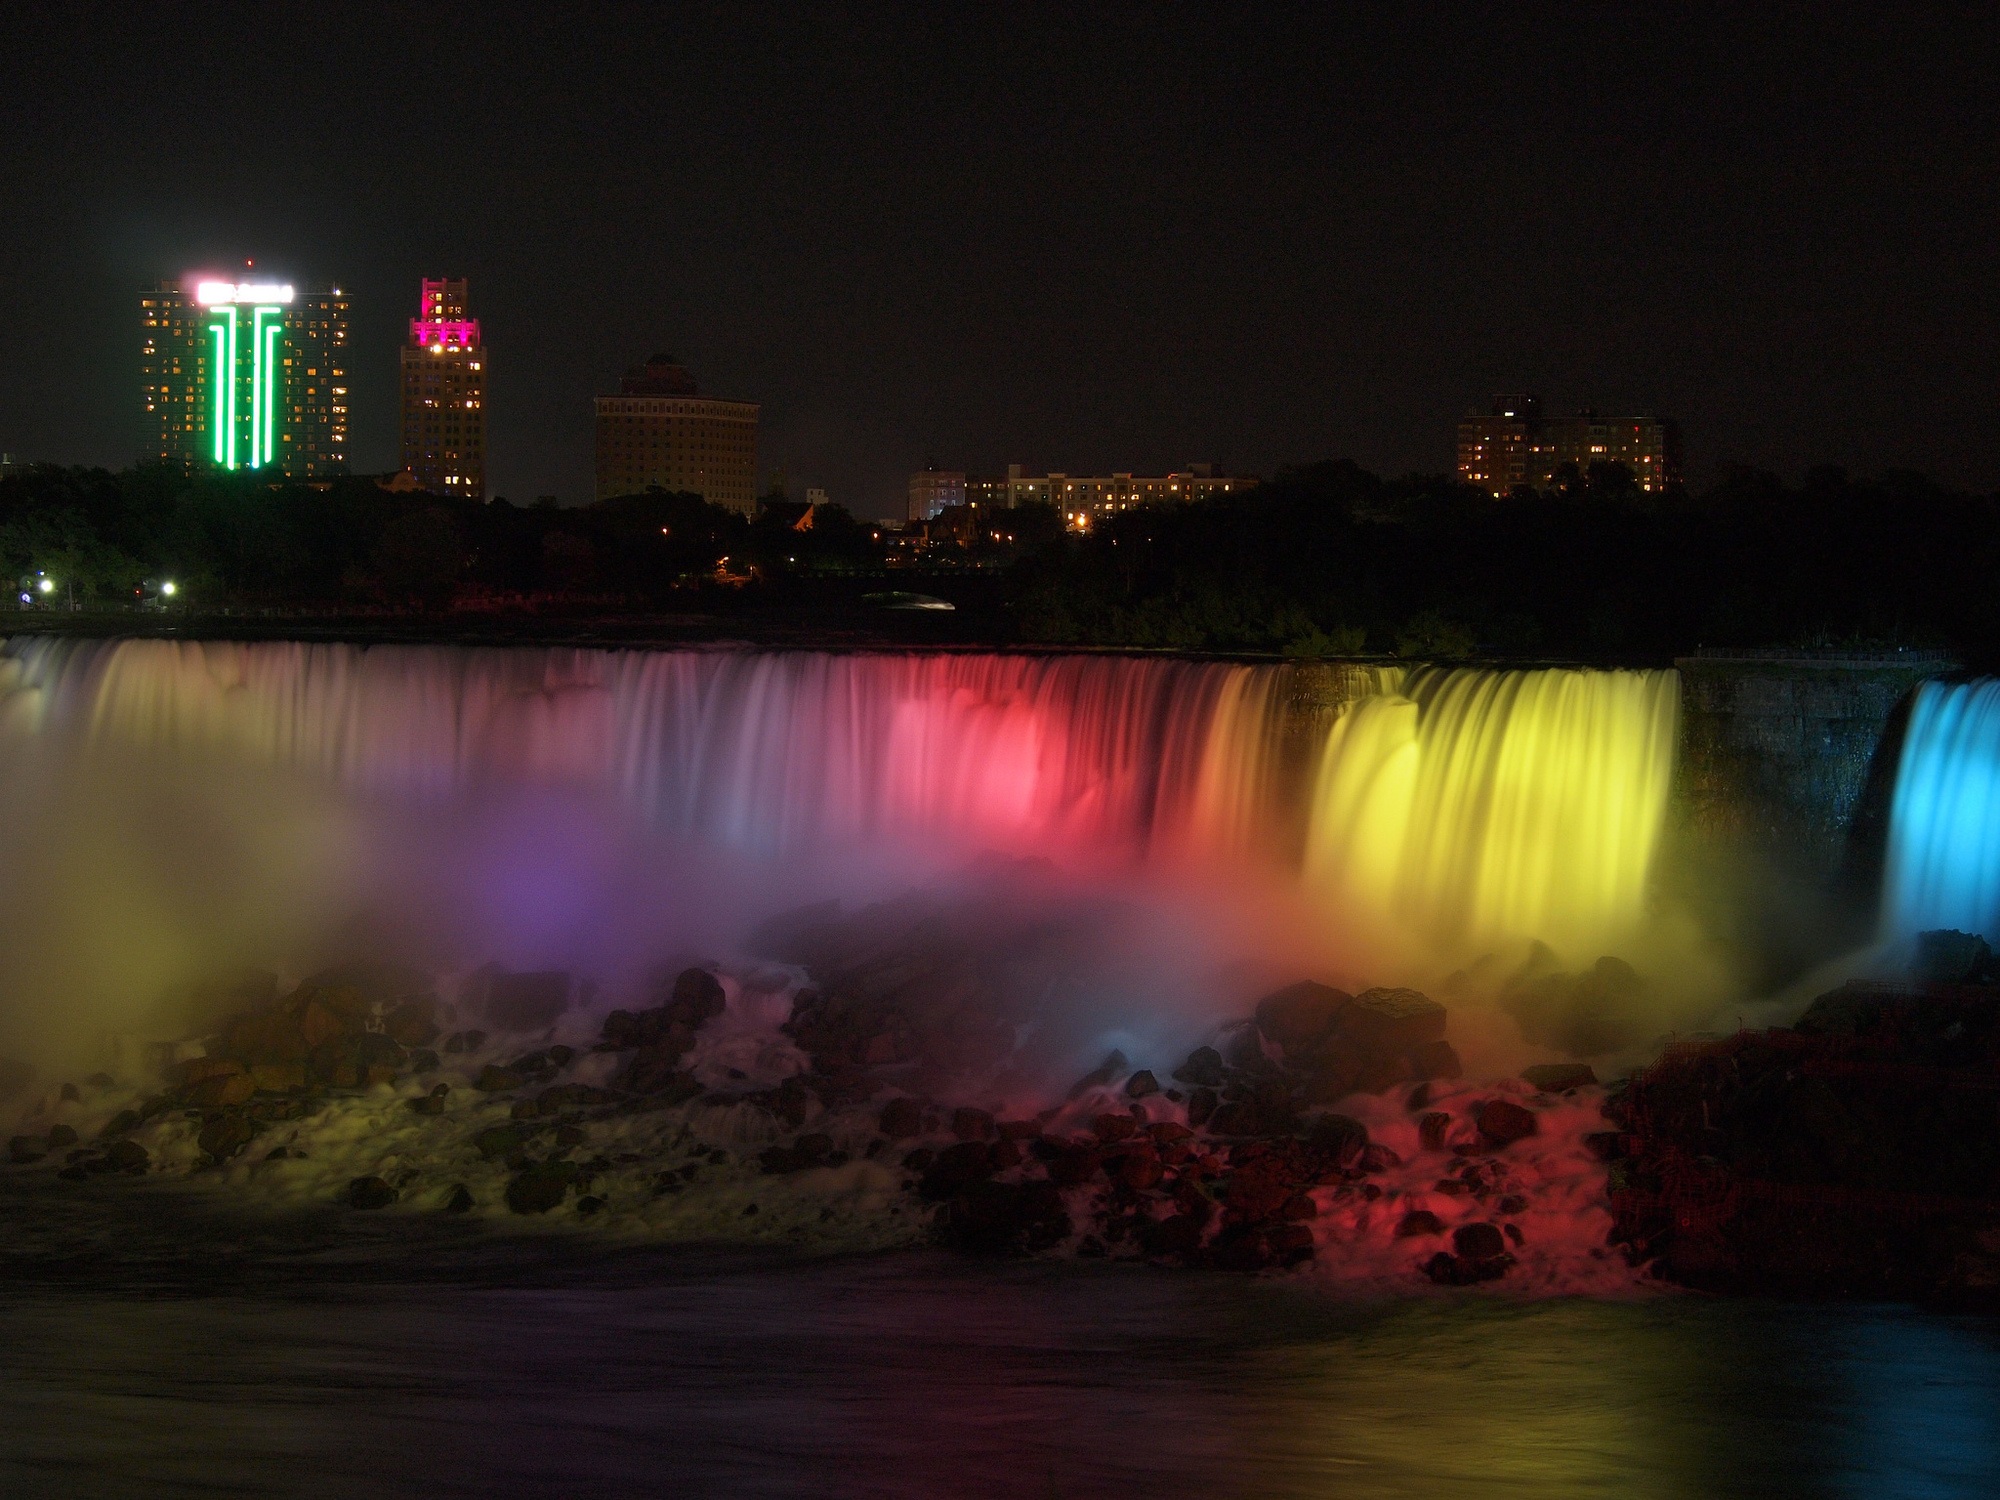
(1514, 445)
(245, 375)
(1084, 499)
(444, 394)
(660, 432)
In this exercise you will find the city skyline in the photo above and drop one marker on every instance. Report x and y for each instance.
(1300, 240)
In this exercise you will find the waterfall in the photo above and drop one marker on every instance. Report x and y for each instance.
(1478, 805)
(1944, 822)
(1459, 804)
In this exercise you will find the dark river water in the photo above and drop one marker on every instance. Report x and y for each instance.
(149, 1348)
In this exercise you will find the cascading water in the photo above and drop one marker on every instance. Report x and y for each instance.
(1944, 826)
(1465, 806)
(1476, 806)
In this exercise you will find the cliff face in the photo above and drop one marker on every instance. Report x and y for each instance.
(1781, 796)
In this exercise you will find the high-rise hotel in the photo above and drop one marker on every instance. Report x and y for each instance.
(246, 375)
(444, 395)
(660, 431)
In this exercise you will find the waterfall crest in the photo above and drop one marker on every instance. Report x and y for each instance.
(1462, 805)
(1944, 821)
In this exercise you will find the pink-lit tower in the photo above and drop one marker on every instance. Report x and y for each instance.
(444, 395)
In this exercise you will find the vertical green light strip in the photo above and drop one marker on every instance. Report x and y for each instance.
(219, 382)
(230, 462)
(263, 358)
(256, 387)
(271, 379)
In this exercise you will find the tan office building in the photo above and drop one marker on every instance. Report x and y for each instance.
(659, 431)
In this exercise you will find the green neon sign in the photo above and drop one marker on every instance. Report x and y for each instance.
(246, 401)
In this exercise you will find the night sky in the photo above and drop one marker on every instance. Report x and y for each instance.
(1076, 237)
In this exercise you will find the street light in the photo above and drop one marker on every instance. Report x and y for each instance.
(168, 588)
(47, 585)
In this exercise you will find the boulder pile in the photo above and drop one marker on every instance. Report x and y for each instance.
(1856, 1153)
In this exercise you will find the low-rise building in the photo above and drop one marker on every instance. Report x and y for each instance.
(1513, 445)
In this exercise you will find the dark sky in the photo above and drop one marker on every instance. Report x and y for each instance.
(1076, 237)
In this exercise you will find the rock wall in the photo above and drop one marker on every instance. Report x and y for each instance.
(1781, 795)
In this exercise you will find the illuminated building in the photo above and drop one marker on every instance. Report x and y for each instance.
(444, 395)
(1084, 498)
(246, 375)
(1514, 445)
(932, 489)
(659, 431)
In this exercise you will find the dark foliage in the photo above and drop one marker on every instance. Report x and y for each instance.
(1332, 559)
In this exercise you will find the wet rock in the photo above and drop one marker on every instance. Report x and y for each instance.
(586, 1207)
(1606, 1145)
(815, 1148)
(541, 1188)
(225, 1135)
(1478, 1241)
(1433, 1130)
(413, 1023)
(498, 1141)
(1141, 1084)
(1203, 1069)
(1075, 1166)
(1554, 1078)
(1418, 1221)
(71, 1094)
(901, 1119)
(459, 1200)
(1502, 1122)
(1138, 1170)
(1601, 1010)
(776, 1160)
(956, 1168)
(1290, 1244)
(972, 1125)
(996, 1218)
(526, 1002)
(1109, 1127)
(1945, 956)
(1177, 1235)
(61, 1137)
(656, 1072)
(494, 1079)
(1258, 1190)
(1386, 1021)
(1301, 1016)
(1376, 1157)
(1101, 1076)
(464, 1041)
(568, 1136)
(1342, 1138)
(219, 1090)
(1436, 1060)
(697, 997)
(278, 1078)
(423, 1060)
(1202, 1104)
(124, 1120)
(23, 1149)
(369, 1193)
(127, 1156)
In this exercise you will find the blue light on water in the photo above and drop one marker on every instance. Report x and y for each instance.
(1944, 825)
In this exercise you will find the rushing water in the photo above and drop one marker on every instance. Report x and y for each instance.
(1944, 827)
(146, 1353)
(1469, 806)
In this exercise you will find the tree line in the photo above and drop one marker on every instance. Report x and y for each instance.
(1325, 560)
